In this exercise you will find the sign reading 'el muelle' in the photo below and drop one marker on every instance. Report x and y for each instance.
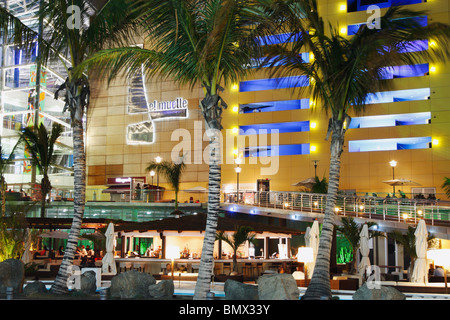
(166, 109)
(144, 132)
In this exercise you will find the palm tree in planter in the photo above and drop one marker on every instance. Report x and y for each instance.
(340, 75)
(408, 241)
(172, 171)
(41, 146)
(351, 231)
(210, 44)
(237, 239)
(74, 29)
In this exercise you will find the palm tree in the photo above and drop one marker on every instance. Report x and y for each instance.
(172, 171)
(76, 34)
(237, 239)
(197, 43)
(319, 186)
(343, 71)
(5, 161)
(351, 231)
(408, 241)
(41, 146)
(446, 186)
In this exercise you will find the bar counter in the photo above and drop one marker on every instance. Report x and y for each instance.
(156, 265)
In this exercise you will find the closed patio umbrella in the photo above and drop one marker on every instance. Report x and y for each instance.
(26, 257)
(364, 250)
(314, 244)
(108, 263)
(420, 272)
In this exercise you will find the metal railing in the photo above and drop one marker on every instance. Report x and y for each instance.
(408, 209)
(390, 209)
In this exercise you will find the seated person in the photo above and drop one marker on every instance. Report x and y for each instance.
(168, 269)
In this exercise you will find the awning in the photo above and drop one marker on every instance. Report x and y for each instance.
(118, 189)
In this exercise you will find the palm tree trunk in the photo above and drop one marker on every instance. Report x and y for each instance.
(319, 287)
(207, 259)
(79, 164)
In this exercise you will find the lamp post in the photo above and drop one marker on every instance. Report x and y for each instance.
(152, 174)
(315, 167)
(238, 170)
(158, 159)
(393, 164)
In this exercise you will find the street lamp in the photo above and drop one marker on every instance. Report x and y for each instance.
(393, 164)
(158, 160)
(238, 170)
(152, 174)
(315, 167)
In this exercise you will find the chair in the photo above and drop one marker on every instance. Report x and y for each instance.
(124, 266)
(248, 266)
(259, 266)
(137, 266)
(226, 265)
(195, 267)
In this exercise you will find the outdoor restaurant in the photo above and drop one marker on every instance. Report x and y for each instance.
(155, 245)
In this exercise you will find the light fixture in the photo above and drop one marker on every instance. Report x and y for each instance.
(419, 212)
(235, 109)
(361, 207)
(235, 151)
(238, 169)
(158, 159)
(405, 216)
(336, 209)
(152, 173)
(432, 69)
(313, 125)
(435, 142)
(235, 87)
(316, 203)
(343, 31)
(238, 161)
(235, 130)
(313, 148)
(286, 204)
(393, 163)
(432, 43)
(342, 7)
(311, 56)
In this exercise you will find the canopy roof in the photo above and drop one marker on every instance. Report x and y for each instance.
(198, 223)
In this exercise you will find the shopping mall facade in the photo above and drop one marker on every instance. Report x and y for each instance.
(276, 131)
(132, 122)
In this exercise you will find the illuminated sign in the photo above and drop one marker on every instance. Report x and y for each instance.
(138, 103)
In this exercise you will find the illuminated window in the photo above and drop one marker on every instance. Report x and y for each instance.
(353, 28)
(274, 83)
(406, 71)
(398, 95)
(282, 127)
(280, 150)
(362, 5)
(270, 106)
(391, 120)
(278, 38)
(389, 144)
(271, 62)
